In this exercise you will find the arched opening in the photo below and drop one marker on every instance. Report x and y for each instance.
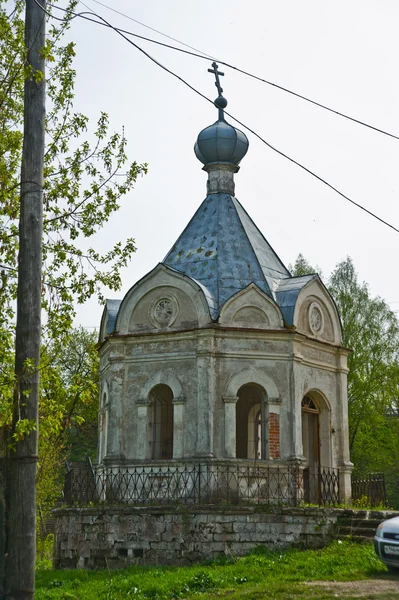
(250, 430)
(161, 422)
(316, 440)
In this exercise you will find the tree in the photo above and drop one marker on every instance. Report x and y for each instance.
(371, 331)
(83, 185)
(22, 467)
(68, 411)
(303, 267)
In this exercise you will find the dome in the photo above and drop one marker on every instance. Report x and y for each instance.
(221, 143)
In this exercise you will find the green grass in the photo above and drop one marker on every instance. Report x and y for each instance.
(262, 574)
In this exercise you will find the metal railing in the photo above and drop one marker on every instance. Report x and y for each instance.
(196, 484)
(369, 489)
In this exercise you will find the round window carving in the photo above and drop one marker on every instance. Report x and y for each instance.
(163, 311)
(316, 319)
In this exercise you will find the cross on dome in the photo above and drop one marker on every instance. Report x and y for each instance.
(217, 74)
(220, 101)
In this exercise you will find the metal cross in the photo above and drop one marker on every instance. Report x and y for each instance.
(217, 74)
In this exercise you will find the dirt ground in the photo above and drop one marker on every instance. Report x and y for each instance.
(385, 585)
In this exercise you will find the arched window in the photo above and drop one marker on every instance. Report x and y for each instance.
(250, 442)
(161, 422)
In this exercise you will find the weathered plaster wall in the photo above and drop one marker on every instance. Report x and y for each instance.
(117, 536)
(205, 369)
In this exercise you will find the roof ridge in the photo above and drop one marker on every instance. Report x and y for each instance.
(276, 256)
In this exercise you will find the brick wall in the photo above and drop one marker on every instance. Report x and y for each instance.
(274, 435)
(118, 536)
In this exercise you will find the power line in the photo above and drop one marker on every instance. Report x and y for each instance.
(118, 12)
(318, 177)
(204, 55)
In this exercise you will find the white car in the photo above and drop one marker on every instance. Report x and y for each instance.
(386, 543)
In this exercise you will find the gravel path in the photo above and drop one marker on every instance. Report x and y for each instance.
(386, 584)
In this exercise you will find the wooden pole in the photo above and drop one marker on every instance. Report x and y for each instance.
(20, 566)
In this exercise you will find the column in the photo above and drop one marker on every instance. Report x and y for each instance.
(296, 452)
(115, 421)
(344, 464)
(230, 425)
(142, 446)
(178, 427)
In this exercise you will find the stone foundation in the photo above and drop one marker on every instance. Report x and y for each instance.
(115, 537)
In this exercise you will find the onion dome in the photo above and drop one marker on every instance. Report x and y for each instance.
(221, 143)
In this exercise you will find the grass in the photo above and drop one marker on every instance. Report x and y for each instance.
(263, 574)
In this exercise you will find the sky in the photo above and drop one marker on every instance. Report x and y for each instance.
(343, 54)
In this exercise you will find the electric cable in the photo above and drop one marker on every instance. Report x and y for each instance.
(118, 12)
(204, 55)
(280, 152)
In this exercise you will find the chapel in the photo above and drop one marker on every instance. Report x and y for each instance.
(219, 355)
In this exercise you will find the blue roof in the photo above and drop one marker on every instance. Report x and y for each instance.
(287, 292)
(112, 313)
(223, 249)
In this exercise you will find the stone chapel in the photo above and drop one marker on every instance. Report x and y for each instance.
(218, 354)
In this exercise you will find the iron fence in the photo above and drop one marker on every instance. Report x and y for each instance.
(369, 489)
(202, 484)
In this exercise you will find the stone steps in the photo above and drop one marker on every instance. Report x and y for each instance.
(360, 526)
(369, 523)
(357, 531)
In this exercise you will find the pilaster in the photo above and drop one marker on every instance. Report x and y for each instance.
(230, 425)
(206, 394)
(114, 421)
(142, 446)
(178, 427)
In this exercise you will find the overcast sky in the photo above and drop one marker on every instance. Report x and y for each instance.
(343, 53)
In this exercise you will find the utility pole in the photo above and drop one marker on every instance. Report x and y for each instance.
(21, 539)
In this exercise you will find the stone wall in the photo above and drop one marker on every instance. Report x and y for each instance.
(274, 435)
(117, 536)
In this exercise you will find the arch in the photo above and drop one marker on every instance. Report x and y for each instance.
(164, 277)
(251, 307)
(316, 429)
(315, 290)
(166, 378)
(161, 422)
(252, 375)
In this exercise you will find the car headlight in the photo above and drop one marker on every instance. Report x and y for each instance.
(378, 533)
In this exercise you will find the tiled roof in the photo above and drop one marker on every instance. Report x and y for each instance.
(223, 249)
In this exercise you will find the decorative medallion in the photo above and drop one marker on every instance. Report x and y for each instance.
(163, 311)
(316, 320)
